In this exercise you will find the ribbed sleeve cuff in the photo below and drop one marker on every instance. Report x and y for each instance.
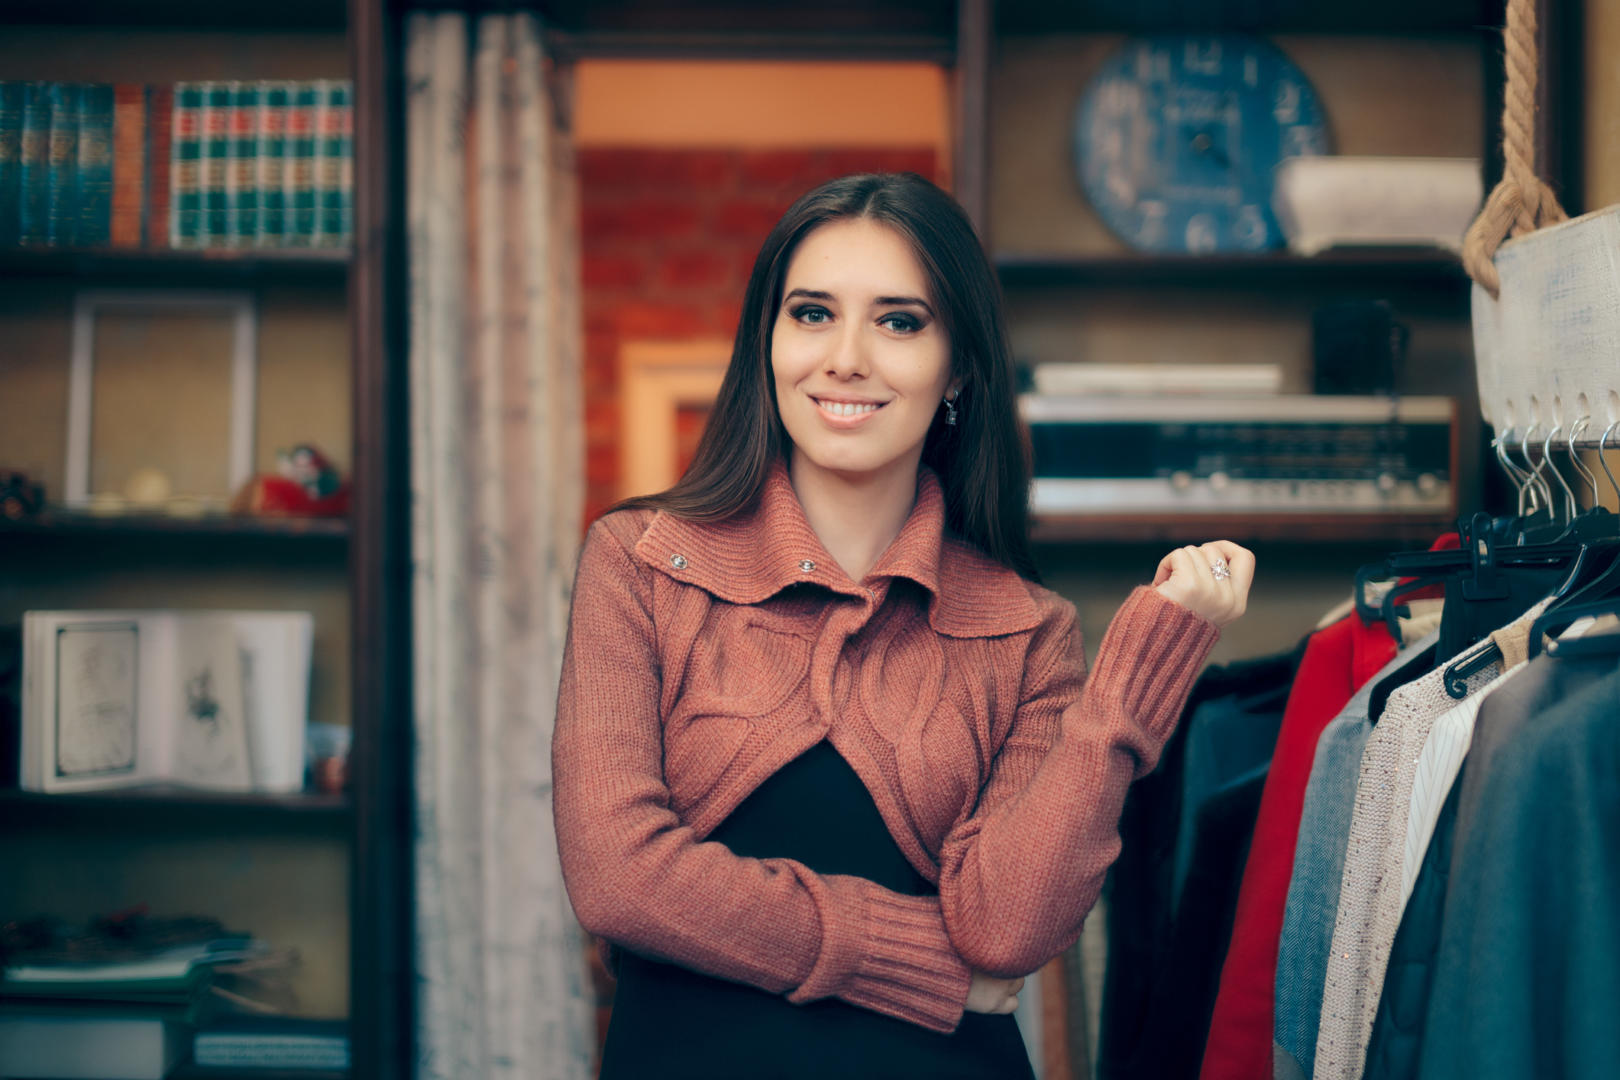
(890, 955)
(1148, 661)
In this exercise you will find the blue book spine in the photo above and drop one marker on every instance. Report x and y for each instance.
(11, 119)
(62, 215)
(34, 174)
(95, 172)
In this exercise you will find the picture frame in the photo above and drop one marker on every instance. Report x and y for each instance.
(242, 361)
(657, 379)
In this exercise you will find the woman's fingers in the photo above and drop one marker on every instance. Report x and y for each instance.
(1188, 576)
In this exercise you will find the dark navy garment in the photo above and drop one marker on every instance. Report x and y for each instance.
(669, 1021)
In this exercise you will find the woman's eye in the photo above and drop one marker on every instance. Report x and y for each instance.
(811, 314)
(900, 323)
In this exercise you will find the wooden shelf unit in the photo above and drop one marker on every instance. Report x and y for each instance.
(366, 830)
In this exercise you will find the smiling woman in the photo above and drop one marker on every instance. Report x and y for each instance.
(829, 777)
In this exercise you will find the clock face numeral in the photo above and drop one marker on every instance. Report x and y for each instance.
(1177, 136)
(1203, 57)
(1285, 105)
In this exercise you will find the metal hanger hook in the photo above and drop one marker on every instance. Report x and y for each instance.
(1516, 476)
(1604, 460)
(1571, 504)
(1575, 431)
(1537, 481)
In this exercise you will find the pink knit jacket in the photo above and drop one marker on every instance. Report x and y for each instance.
(702, 657)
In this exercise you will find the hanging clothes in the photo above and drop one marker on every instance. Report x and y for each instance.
(1338, 661)
(1370, 895)
(1146, 982)
(1397, 1037)
(1527, 974)
(1313, 887)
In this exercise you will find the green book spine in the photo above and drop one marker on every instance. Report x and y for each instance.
(185, 175)
(216, 148)
(272, 163)
(62, 214)
(301, 165)
(94, 189)
(34, 177)
(11, 121)
(335, 164)
(242, 176)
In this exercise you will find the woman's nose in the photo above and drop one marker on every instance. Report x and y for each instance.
(849, 356)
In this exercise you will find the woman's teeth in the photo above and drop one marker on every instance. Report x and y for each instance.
(845, 408)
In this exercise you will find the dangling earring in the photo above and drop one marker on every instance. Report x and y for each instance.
(950, 411)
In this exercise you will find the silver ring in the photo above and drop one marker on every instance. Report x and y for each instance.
(1220, 569)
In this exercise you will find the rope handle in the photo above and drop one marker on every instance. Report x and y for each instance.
(1522, 202)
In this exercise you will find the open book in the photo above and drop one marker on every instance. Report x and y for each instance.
(216, 699)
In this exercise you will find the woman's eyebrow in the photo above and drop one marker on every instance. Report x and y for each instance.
(903, 301)
(809, 294)
(881, 301)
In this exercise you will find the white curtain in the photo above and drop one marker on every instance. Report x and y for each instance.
(497, 476)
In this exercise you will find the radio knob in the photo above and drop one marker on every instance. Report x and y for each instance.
(1386, 482)
(1181, 480)
(1428, 483)
(1219, 481)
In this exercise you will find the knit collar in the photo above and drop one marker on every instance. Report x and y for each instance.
(756, 554)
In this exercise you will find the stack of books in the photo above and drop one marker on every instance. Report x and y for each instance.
(128, 1019)
(139, 1018)
(226, 164)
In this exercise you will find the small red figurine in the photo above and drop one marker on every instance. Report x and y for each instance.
(308, 485)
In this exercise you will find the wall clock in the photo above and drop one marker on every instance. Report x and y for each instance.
(1177, 135)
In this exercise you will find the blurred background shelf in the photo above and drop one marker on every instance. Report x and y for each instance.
(62, 523)
(141, 808)
(1335, 269)
(189, 1071)
(1192, 529)
(179, 14)
(214, 268)
(64, 537)
(1269, 16)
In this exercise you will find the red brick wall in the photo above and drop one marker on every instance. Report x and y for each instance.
(669, 237)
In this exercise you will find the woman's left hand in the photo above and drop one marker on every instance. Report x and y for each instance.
(1188, 577)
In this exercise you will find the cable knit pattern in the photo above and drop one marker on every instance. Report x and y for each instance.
(704, 656)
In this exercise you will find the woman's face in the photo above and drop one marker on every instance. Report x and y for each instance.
(860, 358)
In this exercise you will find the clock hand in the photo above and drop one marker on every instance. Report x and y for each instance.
(1206, 145)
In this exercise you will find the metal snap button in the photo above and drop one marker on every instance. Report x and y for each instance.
(807, 566)
(678, 561)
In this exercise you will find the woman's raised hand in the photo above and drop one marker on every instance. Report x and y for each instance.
(1211, 579)
(988, 994)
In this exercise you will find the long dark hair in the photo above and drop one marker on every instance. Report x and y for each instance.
(983, 462)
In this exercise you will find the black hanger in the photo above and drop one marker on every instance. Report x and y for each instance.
(1591, 645)
(1415, 668)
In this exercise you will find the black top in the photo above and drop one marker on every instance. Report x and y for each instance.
(669, 1021)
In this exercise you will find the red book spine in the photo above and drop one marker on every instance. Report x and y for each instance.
(159, 142)
(129, 164)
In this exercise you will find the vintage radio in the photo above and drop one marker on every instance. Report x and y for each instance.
(1273, 454)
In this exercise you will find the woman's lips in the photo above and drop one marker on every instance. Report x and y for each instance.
(840, 414)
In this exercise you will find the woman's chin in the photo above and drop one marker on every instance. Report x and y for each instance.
(850, 463)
